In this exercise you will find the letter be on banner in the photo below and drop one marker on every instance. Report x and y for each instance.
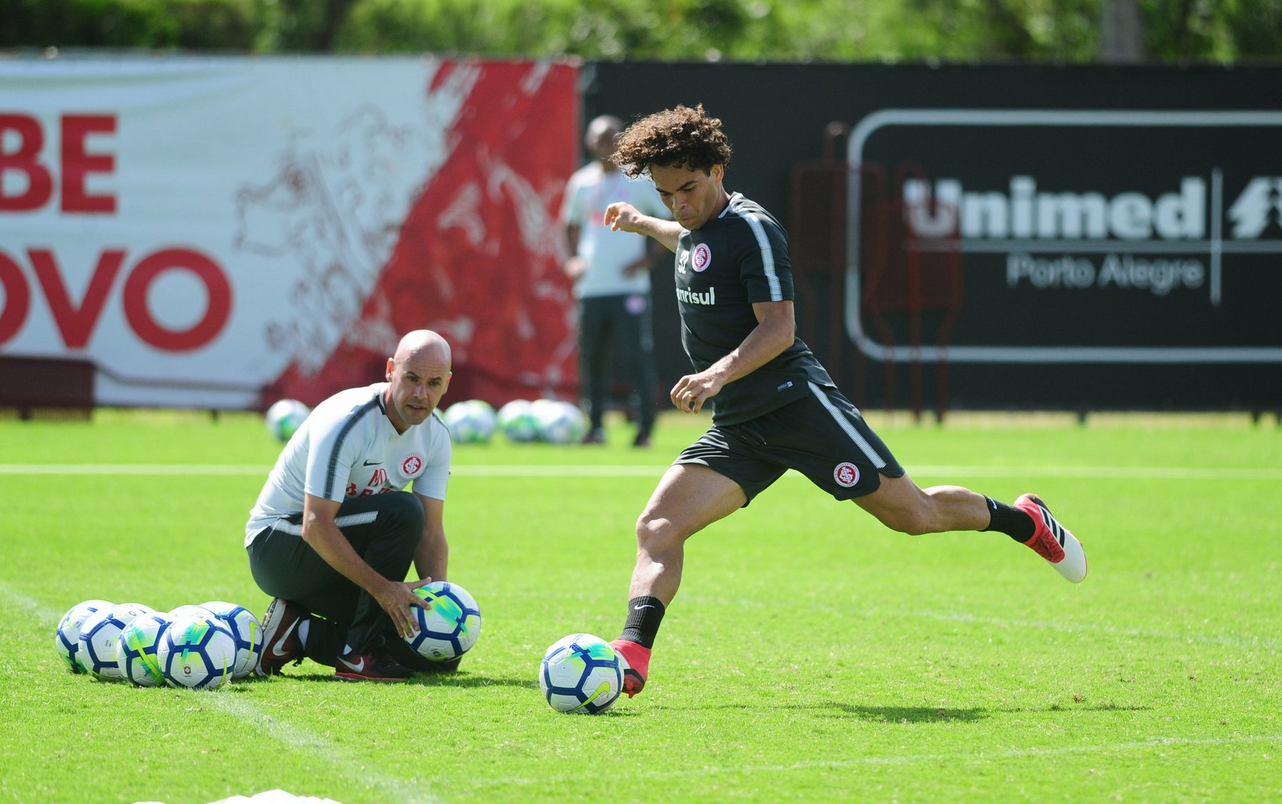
(24, 160)
(21, 167)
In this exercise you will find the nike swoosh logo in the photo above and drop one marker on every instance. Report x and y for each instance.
(372, 463)
(646, 606)
(354, 667)
(276, 651)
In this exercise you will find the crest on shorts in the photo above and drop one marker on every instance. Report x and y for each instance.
(846, 474)
(701, 258)
(412, 466)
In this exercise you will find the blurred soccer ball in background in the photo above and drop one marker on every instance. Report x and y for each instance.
(559, 422)
(470, 422)
(284, 418)
(516, 420)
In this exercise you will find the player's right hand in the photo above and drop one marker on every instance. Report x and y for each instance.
(623, 217)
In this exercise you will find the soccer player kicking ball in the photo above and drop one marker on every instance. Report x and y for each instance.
(775, 407)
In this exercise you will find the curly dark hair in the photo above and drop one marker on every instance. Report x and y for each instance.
(680, 137)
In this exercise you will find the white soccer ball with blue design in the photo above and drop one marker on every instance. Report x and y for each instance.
(188, 610)
(136, 650)
(559, 422)
(516, 420)
(196, 652)
(99, 636)
(245, 629)
(284, 418)
(581, 674)
(450, 624)
(67, 638)
(470, 422)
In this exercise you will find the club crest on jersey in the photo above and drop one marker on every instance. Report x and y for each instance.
(701, 258)
(846, 474)
(412, 465)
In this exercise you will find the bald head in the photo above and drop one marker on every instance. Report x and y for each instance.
(423, 342)
(417, 377)
(601, 134)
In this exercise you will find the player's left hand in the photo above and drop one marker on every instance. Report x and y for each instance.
(692, 390)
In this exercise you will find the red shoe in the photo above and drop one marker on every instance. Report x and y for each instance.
(637, 661)
(1052, 541)
(281, 644)
(368, 667)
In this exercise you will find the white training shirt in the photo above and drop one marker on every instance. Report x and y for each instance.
(346, 448)
(588, 192)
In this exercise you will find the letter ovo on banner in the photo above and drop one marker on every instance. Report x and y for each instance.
(76, 323)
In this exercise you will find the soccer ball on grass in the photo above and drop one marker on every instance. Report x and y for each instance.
(244, 629)
(559, 422)
(581, 674)
(136, 650)
(448, 628)
(67, 638)
(197, 652)
(284, 418)
(99, 635)
(516, 420)
(470, 422)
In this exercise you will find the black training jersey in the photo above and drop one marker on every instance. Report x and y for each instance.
(723, 268)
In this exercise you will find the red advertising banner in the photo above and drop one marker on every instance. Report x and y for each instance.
(221, 232)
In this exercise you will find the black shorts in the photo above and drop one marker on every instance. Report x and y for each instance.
(822, 436)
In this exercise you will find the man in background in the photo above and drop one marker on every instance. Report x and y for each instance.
(611, 273)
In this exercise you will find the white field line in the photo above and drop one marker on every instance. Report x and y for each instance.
(12, 597)
(394, 788)
(517, 470)
(941, 760)
(292, 737)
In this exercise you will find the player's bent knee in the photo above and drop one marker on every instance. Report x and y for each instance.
(657, 535)
(404, 514)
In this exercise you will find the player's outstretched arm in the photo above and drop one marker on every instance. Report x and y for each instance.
(623, 217)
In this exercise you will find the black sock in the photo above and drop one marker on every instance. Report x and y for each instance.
(1011, 521)
(644, 616)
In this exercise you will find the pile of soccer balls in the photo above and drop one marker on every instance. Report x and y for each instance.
(198, 647)
(550, 421)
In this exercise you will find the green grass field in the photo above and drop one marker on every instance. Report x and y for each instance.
(811, 654)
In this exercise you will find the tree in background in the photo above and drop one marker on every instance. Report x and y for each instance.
(778, 30)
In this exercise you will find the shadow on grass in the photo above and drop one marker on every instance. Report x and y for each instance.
(935, 714)
(417, 680)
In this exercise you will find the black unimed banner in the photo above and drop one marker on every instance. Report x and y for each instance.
(1091, 236)
(1077, 237)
